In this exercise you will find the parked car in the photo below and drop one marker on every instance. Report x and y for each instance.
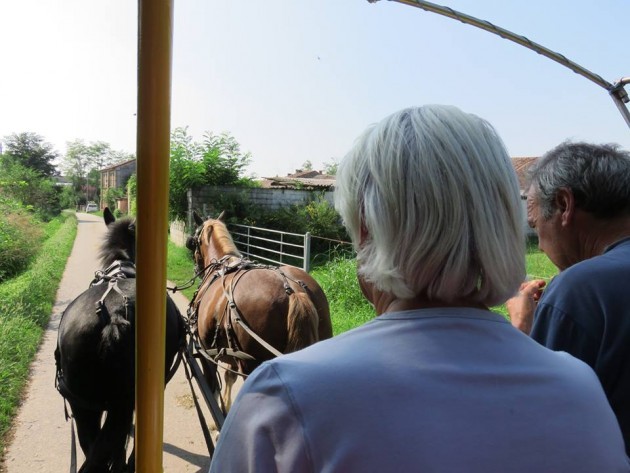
(91, 207)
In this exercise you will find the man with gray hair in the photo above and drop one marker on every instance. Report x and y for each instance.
(579, 205)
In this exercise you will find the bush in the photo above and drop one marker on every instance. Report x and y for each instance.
(132, 193)
(29, 187)
(19, 229)
(111, 195)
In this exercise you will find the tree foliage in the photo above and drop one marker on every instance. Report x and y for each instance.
(30, 150)
(331, 167)
(217, 160)
(82, 163)
(29, 187)
(18, 230)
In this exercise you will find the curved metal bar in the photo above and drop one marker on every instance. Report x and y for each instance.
(616, 91)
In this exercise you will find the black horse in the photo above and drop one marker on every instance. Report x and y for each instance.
(95, 353)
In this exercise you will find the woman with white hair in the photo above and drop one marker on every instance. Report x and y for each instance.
(437, 381)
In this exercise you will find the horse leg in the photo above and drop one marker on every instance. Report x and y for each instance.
(108, 454)
(230, 378)
(88, 426)
(131, 463)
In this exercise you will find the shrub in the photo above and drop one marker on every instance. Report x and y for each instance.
(30, 188)
(18, 230)
(132, 193)
(111, 195)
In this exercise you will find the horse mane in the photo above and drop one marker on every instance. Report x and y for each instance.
(224, 244)
(119, 242)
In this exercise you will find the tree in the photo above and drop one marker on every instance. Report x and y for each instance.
(185, 170)
(30, 150)
(216, 161)
(331, 167)
(82, 163)
(222, 159)
(29, 187)
(307, 166)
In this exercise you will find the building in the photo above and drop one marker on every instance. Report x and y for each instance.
(116, 177)
(521, 166)
(311, 180)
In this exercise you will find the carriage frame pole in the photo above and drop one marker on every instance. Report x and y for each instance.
(616, 90)
(155, 38)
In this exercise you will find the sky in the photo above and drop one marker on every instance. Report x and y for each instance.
(299, 80)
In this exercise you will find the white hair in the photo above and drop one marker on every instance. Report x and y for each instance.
(435, 191)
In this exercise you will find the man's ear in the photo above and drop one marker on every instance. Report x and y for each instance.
(565, 203)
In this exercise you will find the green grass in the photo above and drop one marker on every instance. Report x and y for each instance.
(348, 307)
(180, 268)
(26, 303)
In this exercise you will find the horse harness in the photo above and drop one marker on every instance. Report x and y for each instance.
(119, 269)
(231, 316)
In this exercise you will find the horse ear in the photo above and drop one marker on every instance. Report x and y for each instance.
(221, 215)
(108, 216)
(197, 218)
(190, 243)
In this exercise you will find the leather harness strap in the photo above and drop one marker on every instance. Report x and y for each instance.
(219, 269)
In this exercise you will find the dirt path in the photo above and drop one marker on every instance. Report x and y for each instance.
(41, 437)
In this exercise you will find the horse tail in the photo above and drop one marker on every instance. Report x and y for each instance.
(114, 333)
(302, 322)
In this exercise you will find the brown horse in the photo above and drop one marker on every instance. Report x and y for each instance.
(240, 307)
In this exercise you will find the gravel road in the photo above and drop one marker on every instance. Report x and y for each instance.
(40, 439)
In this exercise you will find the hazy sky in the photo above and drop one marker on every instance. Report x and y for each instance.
(297, 80)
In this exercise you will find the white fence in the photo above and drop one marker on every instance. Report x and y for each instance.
(273, 246)
(261, 244)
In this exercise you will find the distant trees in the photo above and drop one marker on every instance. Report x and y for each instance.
(217, 160)
(29, 149)
(331, 167)
(82, 162)
(28, 186)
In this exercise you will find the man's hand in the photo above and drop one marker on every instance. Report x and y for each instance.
(522, 306)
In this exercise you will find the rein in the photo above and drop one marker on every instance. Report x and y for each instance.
(192, 280)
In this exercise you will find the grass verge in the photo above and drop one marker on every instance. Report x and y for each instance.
(26, 303)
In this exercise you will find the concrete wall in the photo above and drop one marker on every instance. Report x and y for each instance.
(201, 198)
(178, 232)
